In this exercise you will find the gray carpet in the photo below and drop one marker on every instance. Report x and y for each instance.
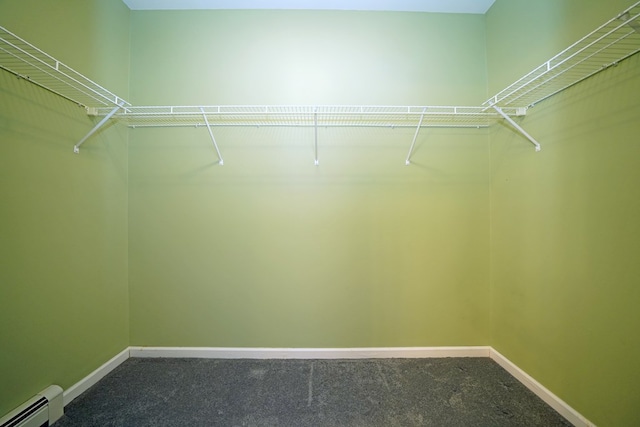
(372, 392)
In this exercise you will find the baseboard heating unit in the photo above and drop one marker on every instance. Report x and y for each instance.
(42, 410)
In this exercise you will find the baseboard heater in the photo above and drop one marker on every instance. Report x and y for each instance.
(42, 410)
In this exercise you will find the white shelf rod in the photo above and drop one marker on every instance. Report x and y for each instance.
(44, 67)
(577, 63)
(415, 137)
(518, 127)
(625, 18)
(315, 126)
(573, 83)
(215, 144)
(76, 148)
(27, 78)
(304, 125)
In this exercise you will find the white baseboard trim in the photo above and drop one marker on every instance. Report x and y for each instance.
(308, 353)
(542, 392)
(573, 416)
(83, 385)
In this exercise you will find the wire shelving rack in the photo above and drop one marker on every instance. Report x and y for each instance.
(612, 42)
(24, 60)
(308, 116)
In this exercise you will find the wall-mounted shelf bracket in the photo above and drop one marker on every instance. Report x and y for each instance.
(517, 127)
(215, 144)
(315, 127)
(630, 20)
(415, 137)
(76, 148)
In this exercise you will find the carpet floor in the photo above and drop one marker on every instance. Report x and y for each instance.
(370, 392)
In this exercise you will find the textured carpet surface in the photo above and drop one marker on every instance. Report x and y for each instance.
(372, 392)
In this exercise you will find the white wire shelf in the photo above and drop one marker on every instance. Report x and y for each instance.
(26, 61)
(612, 42)
(308, 116)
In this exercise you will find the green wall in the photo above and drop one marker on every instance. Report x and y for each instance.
(306, 57)
(564, 221)
(270, 250)
(481, 241)
(63, 217)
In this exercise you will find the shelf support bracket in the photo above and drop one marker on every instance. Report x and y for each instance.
(215, 144)
(415, 137)
(76, 148)
(518, 127)
(315, 127)
(634, 24)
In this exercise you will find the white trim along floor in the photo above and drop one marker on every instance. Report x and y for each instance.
(573, 416)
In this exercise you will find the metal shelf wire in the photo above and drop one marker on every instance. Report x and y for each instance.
(612, 42)
(26, 61)
(307, 116)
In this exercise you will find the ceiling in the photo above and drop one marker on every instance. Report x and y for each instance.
(435, 6)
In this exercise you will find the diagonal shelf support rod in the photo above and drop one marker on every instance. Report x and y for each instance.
(518, 127)
(315, 127)
(415, 137)
(76, 148)
(215, 144)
